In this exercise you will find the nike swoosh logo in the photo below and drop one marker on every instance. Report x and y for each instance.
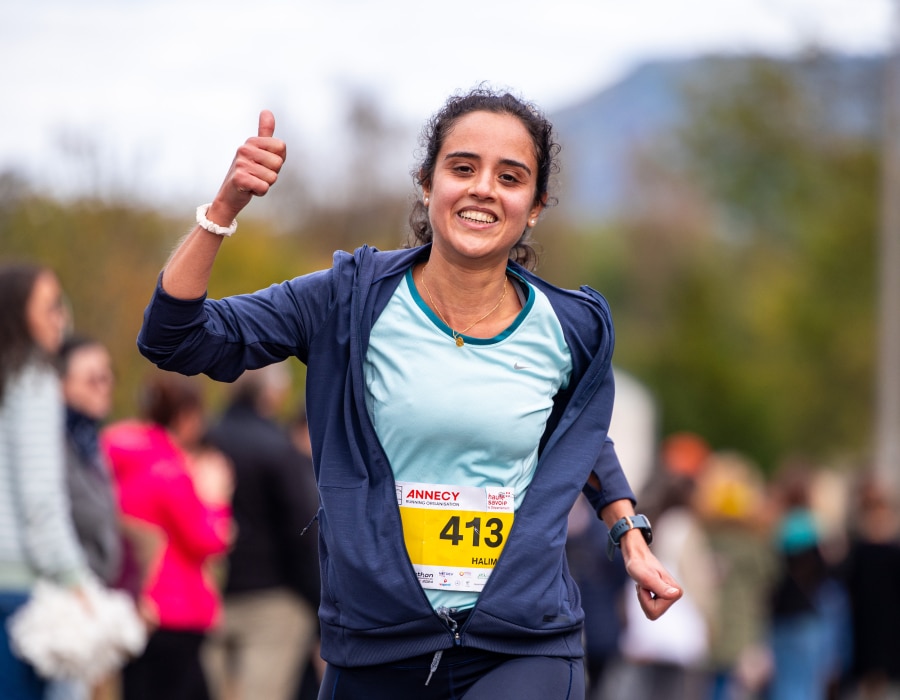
(516, 365)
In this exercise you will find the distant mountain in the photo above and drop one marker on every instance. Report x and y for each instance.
(600, 135)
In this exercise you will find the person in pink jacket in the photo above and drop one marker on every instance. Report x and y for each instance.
(174, 496)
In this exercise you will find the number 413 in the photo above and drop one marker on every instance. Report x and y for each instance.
(493, 537)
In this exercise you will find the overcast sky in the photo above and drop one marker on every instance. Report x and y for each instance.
(161, 92)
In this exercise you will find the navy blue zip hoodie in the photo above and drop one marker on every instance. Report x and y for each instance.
(373, 609)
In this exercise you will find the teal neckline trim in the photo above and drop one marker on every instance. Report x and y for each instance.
(520, 317)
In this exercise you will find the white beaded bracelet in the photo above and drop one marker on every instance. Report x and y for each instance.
(205, 223)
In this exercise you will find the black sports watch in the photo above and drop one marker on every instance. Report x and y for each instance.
(629, 522)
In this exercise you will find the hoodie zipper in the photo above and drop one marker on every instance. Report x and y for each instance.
(444, 614)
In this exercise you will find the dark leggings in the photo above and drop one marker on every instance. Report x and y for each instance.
(461, 674)
(169, 669)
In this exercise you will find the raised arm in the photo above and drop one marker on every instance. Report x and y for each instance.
(254, 170)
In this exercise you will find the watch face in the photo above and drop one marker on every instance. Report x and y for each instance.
(647, 530)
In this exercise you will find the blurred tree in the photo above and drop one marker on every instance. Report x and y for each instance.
(106, 255)
(108, 249)
(752, 315)
(359, 196)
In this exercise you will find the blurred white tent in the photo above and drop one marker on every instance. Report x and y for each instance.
(633, 429)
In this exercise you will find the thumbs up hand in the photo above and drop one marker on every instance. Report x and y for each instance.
(253, 171)
(266, 124)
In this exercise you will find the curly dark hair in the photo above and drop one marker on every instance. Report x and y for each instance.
(17, 345)
(435, 131)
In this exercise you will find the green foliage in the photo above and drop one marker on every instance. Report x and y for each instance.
(108, 256)
(756, 327)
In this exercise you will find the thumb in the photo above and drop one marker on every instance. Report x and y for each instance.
(266, 123)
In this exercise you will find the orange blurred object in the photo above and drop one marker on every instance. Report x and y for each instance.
(684, 454)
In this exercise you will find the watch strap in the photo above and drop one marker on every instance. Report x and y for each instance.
(623, 525)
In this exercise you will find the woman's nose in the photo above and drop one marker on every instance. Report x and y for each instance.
(482, 186)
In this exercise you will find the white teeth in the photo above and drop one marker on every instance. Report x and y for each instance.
(479, 216)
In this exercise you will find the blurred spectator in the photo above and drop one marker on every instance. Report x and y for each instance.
(871, 569)
(807, 603)
(665, 658)
(601, 582)
(170, 485)
(37, 539)
(272, 587)
(684, 454)
(87, 383)
(731, 500)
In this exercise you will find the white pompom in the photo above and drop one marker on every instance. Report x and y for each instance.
(63, 636)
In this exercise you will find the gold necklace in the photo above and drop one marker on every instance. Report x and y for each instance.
(458, 335)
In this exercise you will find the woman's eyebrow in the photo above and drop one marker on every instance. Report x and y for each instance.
(474, 156)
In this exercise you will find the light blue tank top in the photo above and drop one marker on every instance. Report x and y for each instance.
(471, 416)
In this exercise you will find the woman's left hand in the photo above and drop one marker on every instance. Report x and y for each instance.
(657, 590)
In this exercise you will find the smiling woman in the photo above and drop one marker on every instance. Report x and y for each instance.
(533, 170)
(482, 200)
(445, 368)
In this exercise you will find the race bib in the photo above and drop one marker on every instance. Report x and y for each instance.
(454, 534)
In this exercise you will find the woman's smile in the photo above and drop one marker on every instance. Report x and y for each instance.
(478, 216)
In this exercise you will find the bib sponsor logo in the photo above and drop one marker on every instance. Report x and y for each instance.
(430, 496)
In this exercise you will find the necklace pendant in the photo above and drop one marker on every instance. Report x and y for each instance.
(459, 341)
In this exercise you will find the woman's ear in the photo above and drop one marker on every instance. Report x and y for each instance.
(537, 209)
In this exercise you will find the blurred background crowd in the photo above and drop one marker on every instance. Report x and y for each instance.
(206, 520)
(787, 583)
